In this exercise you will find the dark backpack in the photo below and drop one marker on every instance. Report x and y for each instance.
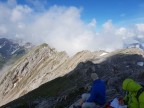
(140, 91)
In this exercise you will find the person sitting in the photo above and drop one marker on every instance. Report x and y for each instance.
(97, 95)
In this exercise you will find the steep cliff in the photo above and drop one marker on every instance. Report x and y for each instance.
(39, 66)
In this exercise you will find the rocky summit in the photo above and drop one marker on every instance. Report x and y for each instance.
(46, 78)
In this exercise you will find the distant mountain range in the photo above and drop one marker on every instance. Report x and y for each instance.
(12, 49)
(135, 45)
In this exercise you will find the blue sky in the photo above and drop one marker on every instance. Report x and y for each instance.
(74, 25)
(120, 11)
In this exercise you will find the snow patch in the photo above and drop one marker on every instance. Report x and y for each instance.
(2, 45)
(14, 51)
(103, 54)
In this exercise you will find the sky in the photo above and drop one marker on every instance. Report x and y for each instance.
(74, 25)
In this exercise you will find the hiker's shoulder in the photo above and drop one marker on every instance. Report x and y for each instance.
(98, 81)
(141, 97)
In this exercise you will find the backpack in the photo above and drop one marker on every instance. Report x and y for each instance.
(140, 91)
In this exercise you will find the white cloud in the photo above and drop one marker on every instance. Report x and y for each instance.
(39, 5)
(3, 30)
(140, 27)
(20, 12)
(92, 24)
(62, 28)
(108, 26)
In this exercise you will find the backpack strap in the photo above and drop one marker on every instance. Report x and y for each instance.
(139, 93)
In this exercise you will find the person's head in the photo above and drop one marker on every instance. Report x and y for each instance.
(130, 85)
(94, 76)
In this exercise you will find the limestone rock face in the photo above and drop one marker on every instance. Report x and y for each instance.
(28, 72)
(40, 65)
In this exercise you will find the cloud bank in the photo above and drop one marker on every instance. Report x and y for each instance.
(62, 27)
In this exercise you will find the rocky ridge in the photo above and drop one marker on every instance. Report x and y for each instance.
(63, 91)
(39, 66)
(113, 68)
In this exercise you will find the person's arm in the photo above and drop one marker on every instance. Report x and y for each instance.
(92, 94)
(141, 100)
(141, 105)
(126, 98)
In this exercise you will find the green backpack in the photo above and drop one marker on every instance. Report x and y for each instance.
(140, 91)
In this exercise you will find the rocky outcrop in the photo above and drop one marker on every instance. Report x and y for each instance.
(39, 66)
(28, 72)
